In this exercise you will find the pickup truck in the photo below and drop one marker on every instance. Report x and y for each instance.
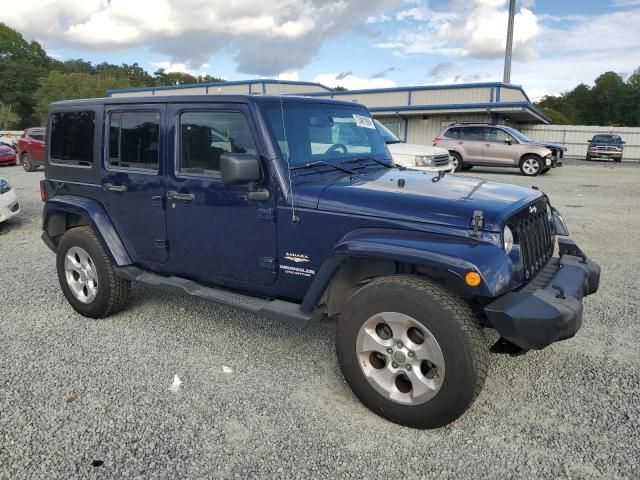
(292, 208)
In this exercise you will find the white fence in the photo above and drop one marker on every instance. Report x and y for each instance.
(575, 137)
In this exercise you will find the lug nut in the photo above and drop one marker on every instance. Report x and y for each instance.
(399, 345)
(389, 351)
(408, 367)
(412, 354)
(394, 365)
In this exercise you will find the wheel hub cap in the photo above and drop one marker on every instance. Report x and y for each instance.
(80, 274)
(407, 368)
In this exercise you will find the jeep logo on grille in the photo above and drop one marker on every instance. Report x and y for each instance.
(533, 209)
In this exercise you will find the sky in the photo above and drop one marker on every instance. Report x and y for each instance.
(352, 43)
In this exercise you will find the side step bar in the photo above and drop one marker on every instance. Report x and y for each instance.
(275, 309)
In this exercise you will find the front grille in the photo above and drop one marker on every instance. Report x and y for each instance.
(14, 208)
(532, 234)
(441, 160)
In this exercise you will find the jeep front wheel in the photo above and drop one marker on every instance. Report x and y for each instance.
(531, 165)
(411, 351)
(86, 275)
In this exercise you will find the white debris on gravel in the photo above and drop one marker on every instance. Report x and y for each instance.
(175, 386)
(226, 369)
(569, 411)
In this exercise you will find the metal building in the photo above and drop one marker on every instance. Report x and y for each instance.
(415, 114)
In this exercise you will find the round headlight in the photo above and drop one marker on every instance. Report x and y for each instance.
(507, 238)
(424, 161)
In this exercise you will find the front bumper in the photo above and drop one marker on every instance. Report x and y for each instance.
(549, 308)
(8, 159)
(9, 205)
(604, 155)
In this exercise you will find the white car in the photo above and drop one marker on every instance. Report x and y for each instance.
(416, 157)
(9, 205)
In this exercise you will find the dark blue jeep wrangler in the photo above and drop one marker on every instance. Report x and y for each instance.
(292, 208)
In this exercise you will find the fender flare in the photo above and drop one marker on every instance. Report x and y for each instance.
(91, 213)
(450, 256)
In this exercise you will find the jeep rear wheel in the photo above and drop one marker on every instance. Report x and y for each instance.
(86, 275)
(411, 351)
(531, 165)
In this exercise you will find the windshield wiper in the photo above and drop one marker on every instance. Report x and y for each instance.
(362, 159)
(319, 163)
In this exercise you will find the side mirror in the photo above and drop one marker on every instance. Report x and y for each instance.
(239, 168)
(508, 141)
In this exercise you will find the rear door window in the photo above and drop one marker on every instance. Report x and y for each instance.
(133, 140)
(453, 132)
(72, 135)
(473, 133)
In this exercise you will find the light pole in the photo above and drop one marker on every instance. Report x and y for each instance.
(507, 55)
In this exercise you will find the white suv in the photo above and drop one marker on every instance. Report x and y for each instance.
(416, 157)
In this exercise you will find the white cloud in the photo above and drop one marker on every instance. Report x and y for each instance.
(190, 31)
(352, 82)
(290, 76)
(170, 67)
(475, 29)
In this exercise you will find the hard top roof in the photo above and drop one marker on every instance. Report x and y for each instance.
(197, 99)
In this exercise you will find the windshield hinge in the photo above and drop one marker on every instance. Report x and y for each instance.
(478, 223)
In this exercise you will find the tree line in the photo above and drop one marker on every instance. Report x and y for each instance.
(611, 101)
(30, 80)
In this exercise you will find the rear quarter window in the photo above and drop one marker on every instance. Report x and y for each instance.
(72, 135)
(452, 133)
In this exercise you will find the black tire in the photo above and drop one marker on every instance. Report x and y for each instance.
(528, 160)
(467, 167)
(545, 170)
(450, 321)
(457, 160)
(112, 291)
(27, 163)
(618, 160)
(588, 158)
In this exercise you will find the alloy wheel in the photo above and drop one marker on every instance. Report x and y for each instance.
(400, 358)
(81, 275)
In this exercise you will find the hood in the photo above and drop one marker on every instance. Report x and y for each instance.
(557, 146)
(414, 149)
(451, 201)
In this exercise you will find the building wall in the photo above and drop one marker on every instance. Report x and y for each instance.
(575, 137)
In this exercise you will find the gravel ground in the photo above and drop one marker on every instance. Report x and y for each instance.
(85, 398)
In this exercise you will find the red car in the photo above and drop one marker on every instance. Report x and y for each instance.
(7, 155)
(31, 148)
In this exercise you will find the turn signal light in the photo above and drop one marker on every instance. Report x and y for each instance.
(473, 279)
(43, 191)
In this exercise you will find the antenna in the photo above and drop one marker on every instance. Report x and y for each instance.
(294, 218)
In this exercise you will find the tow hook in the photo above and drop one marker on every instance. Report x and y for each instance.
(505, 347)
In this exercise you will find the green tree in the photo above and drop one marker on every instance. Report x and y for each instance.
(22, 63)
(8, 118)
(66, 86)
(608, 96)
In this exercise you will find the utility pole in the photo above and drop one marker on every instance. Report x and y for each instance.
(509, 49)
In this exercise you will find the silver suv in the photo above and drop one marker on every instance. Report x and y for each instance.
(495, 146)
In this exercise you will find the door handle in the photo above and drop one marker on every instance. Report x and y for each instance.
(460, 143)
(187, 197)
(114, 188)
(487, 144)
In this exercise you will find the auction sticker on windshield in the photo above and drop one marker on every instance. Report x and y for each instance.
(364, 122)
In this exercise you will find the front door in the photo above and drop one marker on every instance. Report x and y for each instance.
(36, 145)
(132, 182)
(215, 234)
(500, 148)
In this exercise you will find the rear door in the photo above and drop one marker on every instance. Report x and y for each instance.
(471, 144)
(500, 148)
(37, 145)
(216, 235)
(133, 186)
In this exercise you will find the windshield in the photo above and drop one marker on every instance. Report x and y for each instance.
(610, 139)
(520, 136)
(388, 136)
(311, 132)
